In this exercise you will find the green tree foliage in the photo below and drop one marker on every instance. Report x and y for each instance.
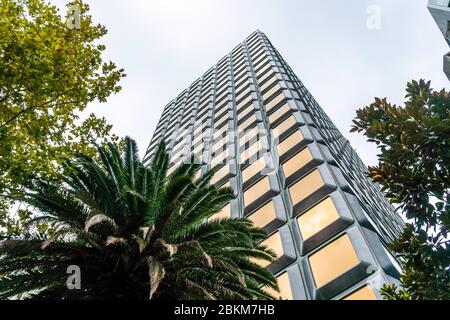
(49, 73)
(414, 171)
(136, 233)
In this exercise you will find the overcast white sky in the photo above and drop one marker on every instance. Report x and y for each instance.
(164, 45)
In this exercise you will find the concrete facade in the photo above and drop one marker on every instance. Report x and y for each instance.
(440, 10)
(251, 119)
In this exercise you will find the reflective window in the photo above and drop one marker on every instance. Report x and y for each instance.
(263, 70)
(244, 125)
(242, 84)
(265, 76)
(272, 103)
(255, 148)
(221, 144)
(364, 293)
(245, 102)
(248, 136)
(262, 59)
(333, 260)
(220, 158)
(220, 174)
(219, 114)
(199, 127)
(256, 191)
(305, 187)
(238, 75)
(296, 162)
(198, 150)
(243, 94)
(263, 216)
(274, 243)
(290, 142)
(223, 95)
(272, 90)
(268, 83)
(220, 132)
(198, 138)
(285, 288)
(317, 218)
(253, 169)
(283, 110)
(283, 126)
(245, 112)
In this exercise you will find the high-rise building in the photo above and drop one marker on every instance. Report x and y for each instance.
(251, 120)
(440, 10)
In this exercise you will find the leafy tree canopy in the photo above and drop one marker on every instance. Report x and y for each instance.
(414, 171)
(49, 73)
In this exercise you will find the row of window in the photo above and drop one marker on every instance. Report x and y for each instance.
(328, 263)
(190, 109)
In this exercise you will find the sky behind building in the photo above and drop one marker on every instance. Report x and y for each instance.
(341, 51)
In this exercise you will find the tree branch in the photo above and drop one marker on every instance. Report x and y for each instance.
(34, 107)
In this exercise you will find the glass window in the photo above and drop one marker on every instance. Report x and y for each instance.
(333, 260)
(256, 191)
(283, 126)
(238, 64)
(274, 243)
(290, 142)
(220, 132)
(238, 76)
(262, 59)
(272, 90)
(317, 218)
(263, 70)
(248, 136)
(253, 169)
(364, 293)
(198, 138)
(244, 125)
(305, 187)
(296, 162)
(200, 123)
(264, 215)
(257, 51)
(268, 83)
(283, 110)
(251, 151)
(223, 95)
(285, 288)
(255, 47)
(243, 94)
(220, 174)
(245, 112)
(244, 102)
(272, 103)
(221, 83)
(198, 150)
(220, 145)
(244, 83)
(218, 116)
(266, 76)
(220, 158)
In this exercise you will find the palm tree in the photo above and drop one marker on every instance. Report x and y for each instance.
(135, 233)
